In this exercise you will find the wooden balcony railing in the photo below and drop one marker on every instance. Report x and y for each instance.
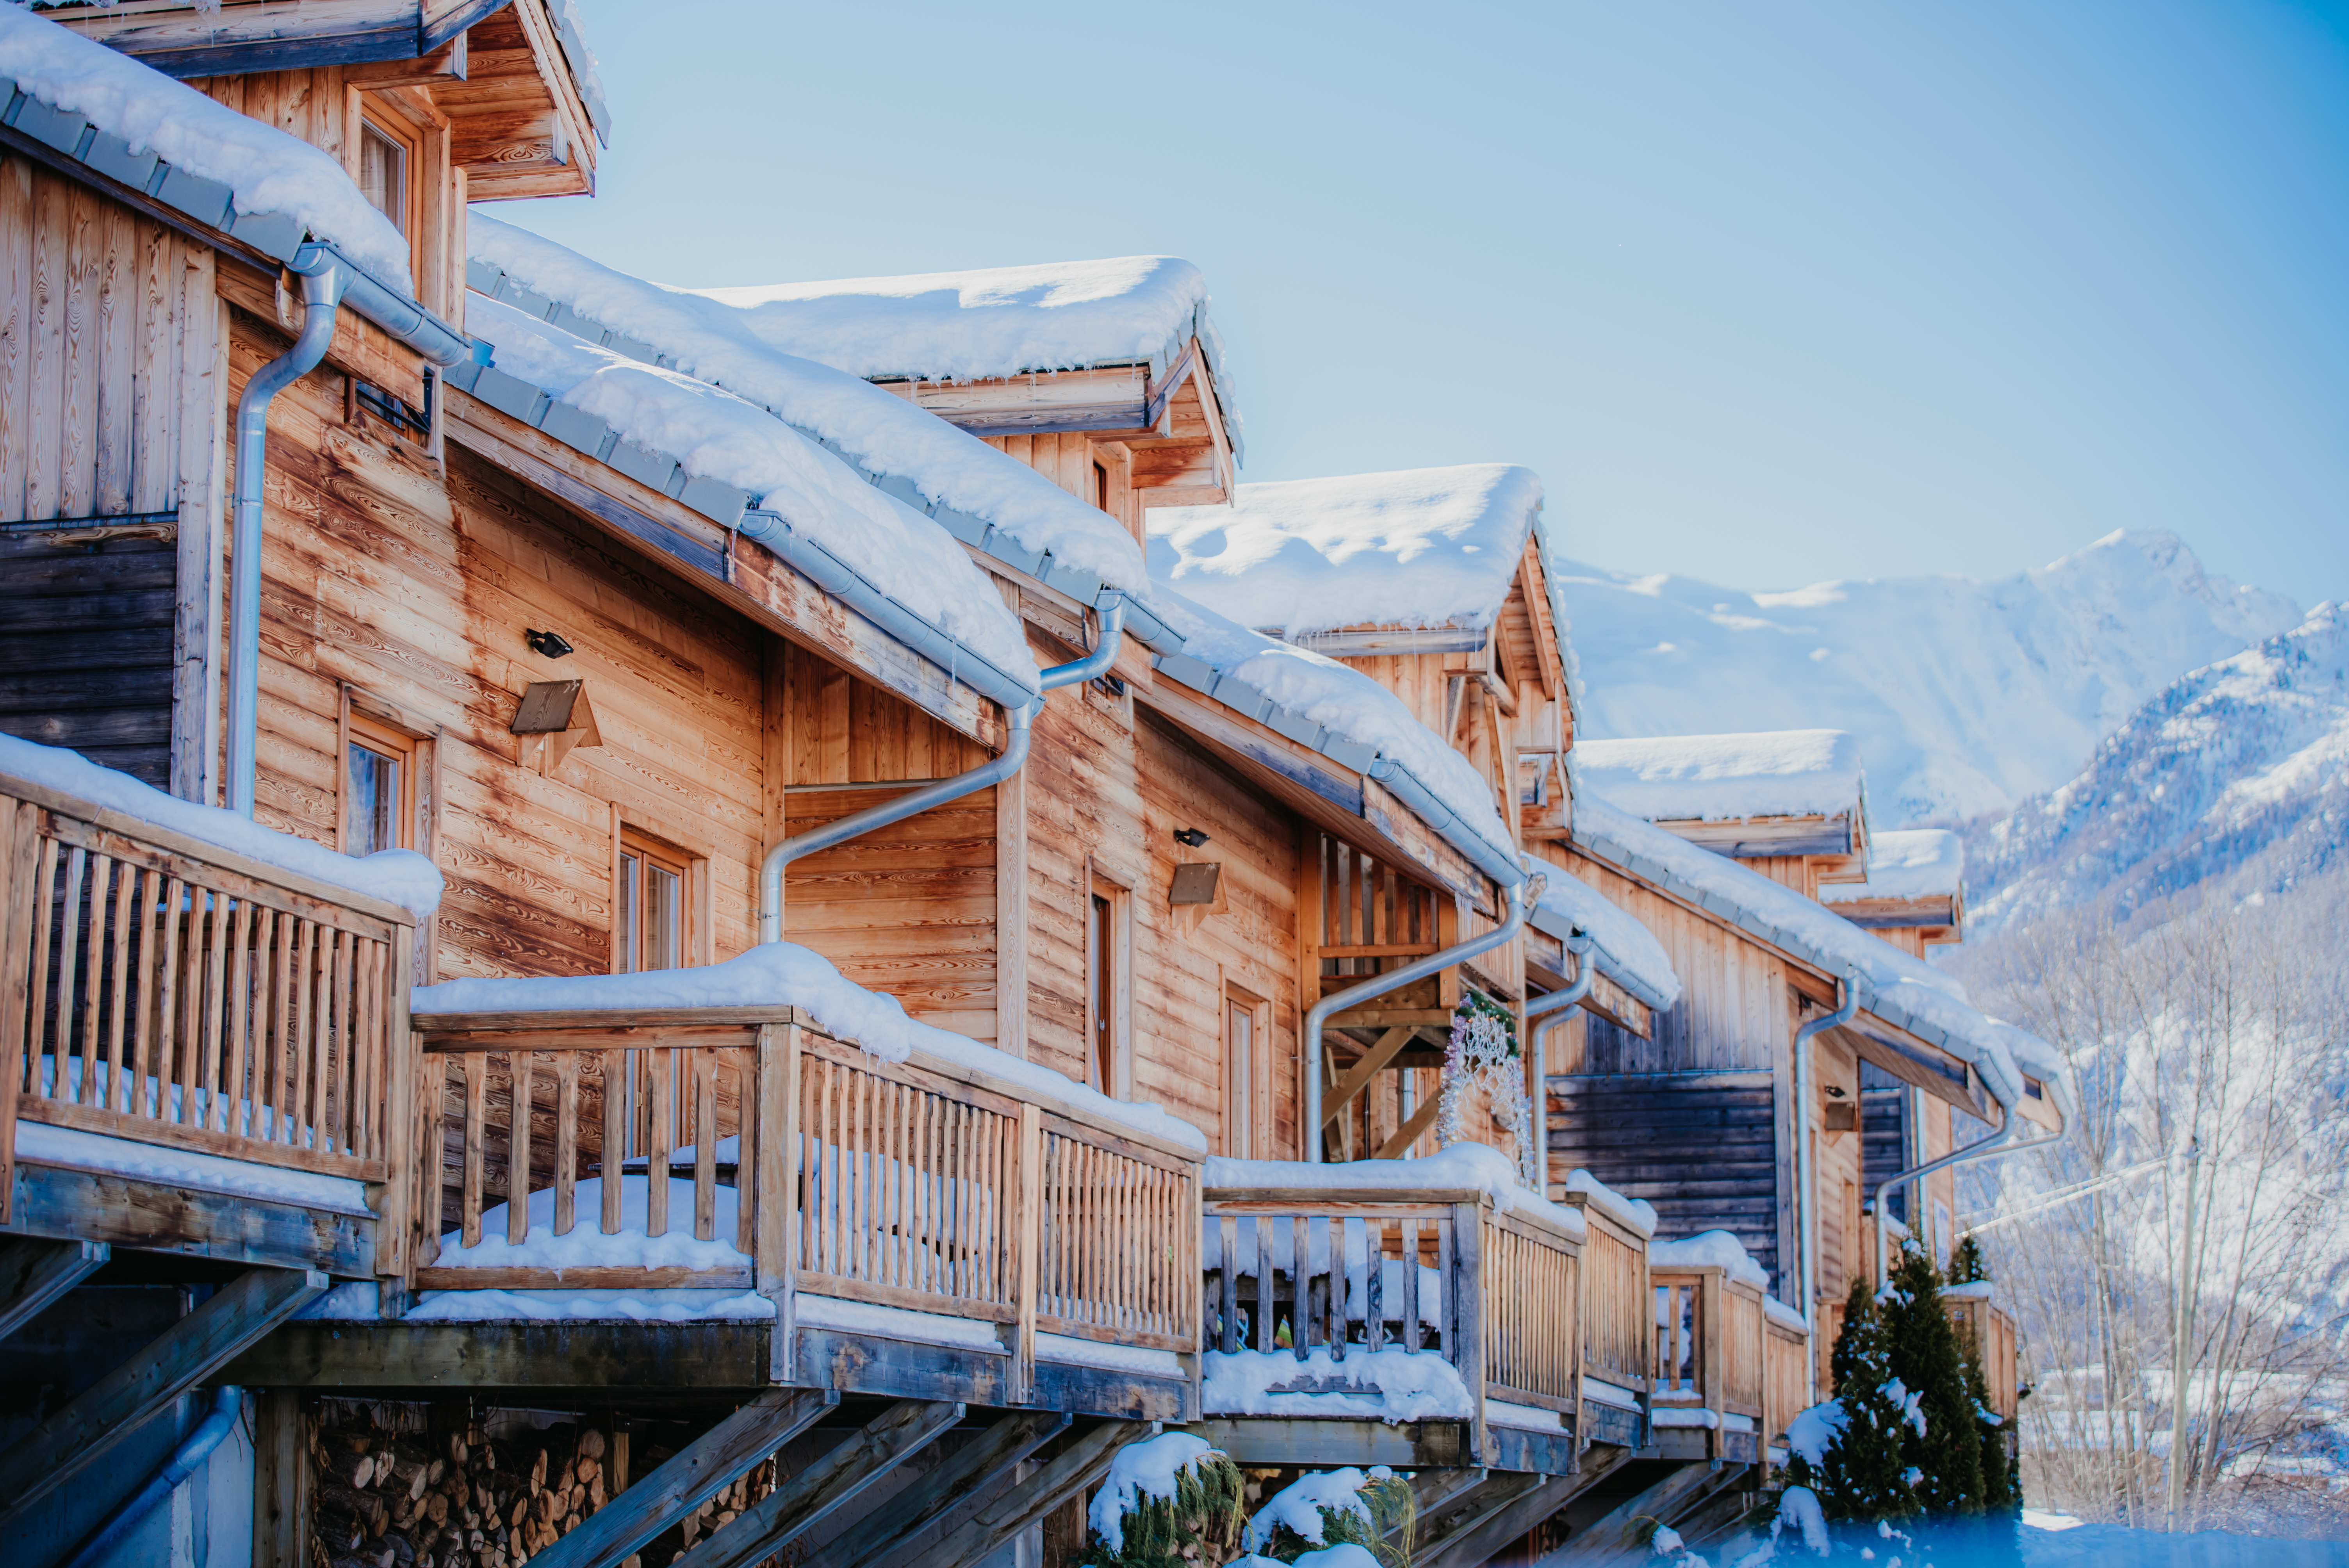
(805, 1165)
(157, 989)
(1509, 1299)
(1991, 1331)
(1785, 1375)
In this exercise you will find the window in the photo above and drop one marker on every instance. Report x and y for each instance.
(1243, 1028)
(1108, 960)
(1100, 486)
(383, 173)
(379, 788)
(653, 930)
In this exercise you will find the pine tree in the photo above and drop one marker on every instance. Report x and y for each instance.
(1858, 1477)
(1966, 1266)
(1925, 1361)
(1999, 1493)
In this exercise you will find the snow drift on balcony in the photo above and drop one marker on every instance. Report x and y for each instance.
(586, 1245)
(1390, 1385)
(785, 974)
(1909, 863)
(715, 435)
(269, 171)
(1709, 1249)
(1341, 699)
(1423, 547)
(1626, 952)
(1726, 778)
(1901, 990)
(1636, 1212)
(885, 434)
(396, 876)
(1462, 1167)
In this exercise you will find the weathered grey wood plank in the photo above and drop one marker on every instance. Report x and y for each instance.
(970, 1470)
(826, 1487)
(1076, 1467)
(33, 1274)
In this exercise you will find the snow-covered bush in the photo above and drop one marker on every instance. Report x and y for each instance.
(1169, 1502)
(1334, 1509)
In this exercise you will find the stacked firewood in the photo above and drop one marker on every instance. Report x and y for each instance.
(457, 1499)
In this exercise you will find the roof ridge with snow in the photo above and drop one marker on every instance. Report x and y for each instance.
(1727, 778)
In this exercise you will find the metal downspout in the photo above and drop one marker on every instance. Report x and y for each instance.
(322, 291)
(2001, 1142)
(1006, 763)
(1379, 985)
(1805, 1162)
(227, 1408)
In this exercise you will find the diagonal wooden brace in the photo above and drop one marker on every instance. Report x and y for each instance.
(826, 1487)
(1357, 1076)
(1084, 1461)
(35, 1272)
(117, 1404)
(969, 1471)
(688, 1478)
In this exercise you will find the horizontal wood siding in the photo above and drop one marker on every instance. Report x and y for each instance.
(1884, 1133)
(1701, 1147)
(86, 650)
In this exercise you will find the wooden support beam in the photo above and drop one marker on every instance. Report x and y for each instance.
(1084, 1461)
(1464, 1518)
(1366, 1067)
(971, 1470)
(1408, 1134)
(281, 1482)
(33, 1274)
(690, 1477)
(1614, 1537)
(826, 1487)
(117, 1404)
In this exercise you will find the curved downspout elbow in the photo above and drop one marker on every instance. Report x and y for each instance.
(227, 1409)
(2001, 1142)
(912, 804)
(1545, 1013)
(1095, 665)
(321, 291)
(1318, 1019)
(1806, 1160)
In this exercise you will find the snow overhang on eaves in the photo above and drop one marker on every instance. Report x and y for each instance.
(1552, 923)
(1142, 624)
(1871, 998)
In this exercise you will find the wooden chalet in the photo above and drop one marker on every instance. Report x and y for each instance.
(783, 954)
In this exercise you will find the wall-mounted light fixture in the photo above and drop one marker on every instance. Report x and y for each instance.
(549, 644)
(1190, 837)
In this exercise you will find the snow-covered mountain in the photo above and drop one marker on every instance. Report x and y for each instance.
(1967, 697)
(2237, 775)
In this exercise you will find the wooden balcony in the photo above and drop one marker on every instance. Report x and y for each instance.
(206, 1055)
(1541, 1327)
(1729, 1376)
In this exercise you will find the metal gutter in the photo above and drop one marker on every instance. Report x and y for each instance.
(1806, 1248)
(228, 1409)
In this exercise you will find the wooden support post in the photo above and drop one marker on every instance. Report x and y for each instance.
(775, 1190)
(281, 1482)
(35, 1272)
(1077, 1466)
(400, 1135)
(1468, 1252)
(1029, 1222)
(966, 1472)
(20, 905)
(113, 1408)
(690, 1477)
(818, 1492)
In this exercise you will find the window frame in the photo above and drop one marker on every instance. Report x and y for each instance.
(362, 732)
(386, 725)
(648, 849)
(1109, 945)
(1242, 1090)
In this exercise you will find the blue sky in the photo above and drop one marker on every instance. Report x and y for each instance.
(1767, 292)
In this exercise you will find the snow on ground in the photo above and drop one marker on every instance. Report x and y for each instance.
(396, 876)
(717, 436)
(1726, 778)
(1628, 952)
(268, 170)
(934, 466)
(1419, 548)
(1327, 693)
(1903, 990)
(1966, 697)
(1390, 1385)
(1908, 862)
(1708, 1249)
(785, 974)
(1144, 1470)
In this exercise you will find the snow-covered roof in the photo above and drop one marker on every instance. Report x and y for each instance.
(396, 876)
(984, 323)
(1626, 952)
(586, 75)
(785, 974)
(1416, 549)
(1902, 990)
(594, 399)
(982, 495)
(1907, 863)
(1726, 778)
(1344, 714)
(140, 128)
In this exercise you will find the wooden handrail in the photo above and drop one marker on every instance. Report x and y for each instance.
(160, 989)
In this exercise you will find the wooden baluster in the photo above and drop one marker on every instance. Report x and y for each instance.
(1408, 1226)
(1300, 1293)
(566, 1140)
(232, 1115)
(195, 1107)
(344, 1119)
(76, 870)
(1374, 1283)
(705, 1145)
(119, 993)
(609, 1185)
(1259, 1230)
(894, 1109)
(1227, 1243)
(140, 1045)
(318, 1131)
(468, 1203)
(432, 1161)
(302, 1003)
(1447, 1298)
(101, 878)
(272, 965)
(752, 1129)
(518, 1149)
(660, 1070)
